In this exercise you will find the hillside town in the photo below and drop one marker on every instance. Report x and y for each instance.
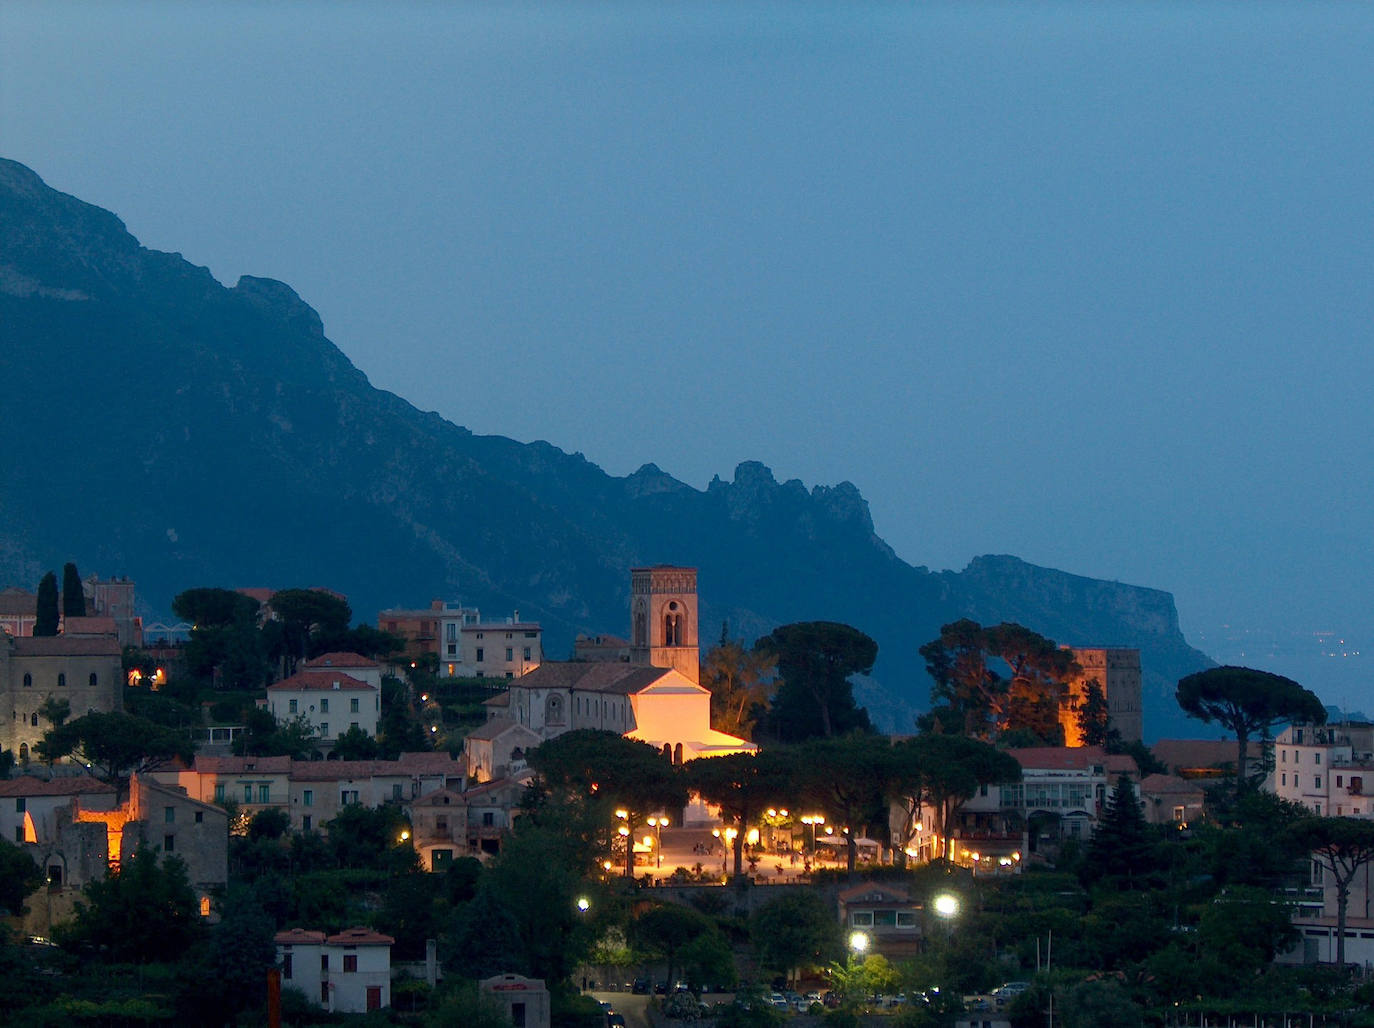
(430, 820)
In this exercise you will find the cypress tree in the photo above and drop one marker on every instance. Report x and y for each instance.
(73, 597)
(1122, 850)
(46, 622)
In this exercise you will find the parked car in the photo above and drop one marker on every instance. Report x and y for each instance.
(640, 987)
(1007, 992)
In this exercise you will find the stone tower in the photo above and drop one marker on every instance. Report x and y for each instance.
(663, 619)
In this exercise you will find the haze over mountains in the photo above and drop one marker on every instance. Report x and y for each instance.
(163, 426)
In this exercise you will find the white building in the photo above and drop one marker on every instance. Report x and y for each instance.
(472, 648)
(351, 664)
(1329, 769)
(346, 973)
(330, 702)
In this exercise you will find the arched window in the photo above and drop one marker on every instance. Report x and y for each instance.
(61, 678)
(95, 680)
(677, 754)
(668, 750)
(553, 710)
(33, 720)
(28, 680)
(23, 753)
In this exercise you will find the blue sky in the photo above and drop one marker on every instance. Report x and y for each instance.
(1087, 283)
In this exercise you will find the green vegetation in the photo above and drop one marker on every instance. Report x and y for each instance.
(46, 621)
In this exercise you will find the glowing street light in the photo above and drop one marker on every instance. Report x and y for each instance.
(858, 942)
(583, 904)
(658, 824)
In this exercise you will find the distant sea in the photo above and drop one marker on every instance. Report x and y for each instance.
(1335, 665)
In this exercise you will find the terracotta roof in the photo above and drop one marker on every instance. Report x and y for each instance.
(242, 765)
(1198, 753)
(342, 659)
(263, 596)
(1168, 785)
(86, 626)
(68, 785)
(360, 937)
(322, 681)
(885, 893)
(495, 727)
(426, 760)
(62, 646)
(520, 779)
(499, 700)
(299, 936)
(1060, 758)
(18, 601)
(592, 676)
(330, 770)
(1122, 764)
(436, 799)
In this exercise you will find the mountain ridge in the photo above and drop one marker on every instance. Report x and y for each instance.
(223, 439)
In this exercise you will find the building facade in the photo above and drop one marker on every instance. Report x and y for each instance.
(86, 672)
(330, 702)
(1117, 671)
(1329, 769)
(663, 619)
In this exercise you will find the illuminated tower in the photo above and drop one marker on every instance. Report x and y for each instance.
(663, 619)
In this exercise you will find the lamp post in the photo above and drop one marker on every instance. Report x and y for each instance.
(658, 824)
(946, 906)
(811, 821)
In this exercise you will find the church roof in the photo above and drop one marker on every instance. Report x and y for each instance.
(495, 728)
(592, 676)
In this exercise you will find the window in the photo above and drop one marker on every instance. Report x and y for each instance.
(510, 635)
(33, 720)
(441, 823)
(1339, 781)
(1295, 781)
(200, 817)
(906, 919)
(1178, 815)
(1283, 778)
(324, 986)
(1317, 758)
(94, 680)
(479, 655)
(861, 918)
(526, 653)
(61, 678)
(531, 635)
(305, 823)
(1283, 756)
(1317, 782)
(348, 796)
(324, 729)
(205, 906)
(451, 632)
(488, 819)
(168, 843)
(219, 792)
(324, 705)
(248, 793)
(452, 649)
(18, 833)
(353, 705)
(396, 790)
(324, 961)
(510, 654)
(350, 963)
(264, 792)
(308, 797)
(20, 804)
(354, 724)
(28, 680)
(286, 966)
(293, 706)
(169, 814)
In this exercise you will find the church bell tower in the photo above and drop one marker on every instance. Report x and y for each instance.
(663, 619)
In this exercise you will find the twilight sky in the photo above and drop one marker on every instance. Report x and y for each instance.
(1087, 283)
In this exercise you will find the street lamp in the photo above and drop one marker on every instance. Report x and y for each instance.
(583, 904)
(858, 942)
(811, 821)
(658, 824)
(946, 906)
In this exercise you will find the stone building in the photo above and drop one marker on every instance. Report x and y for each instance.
(663, 619)
(347, 973)
(86, 672)
(1117, 671)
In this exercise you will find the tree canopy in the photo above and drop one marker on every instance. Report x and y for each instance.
(815, 698)
(73, 595)
(742, 784)
(995, 679)
(1247, 703)
(951, 769)
(1343, 846)
(116, 745)
(608, 771)
(46, 616)
(739, 679)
